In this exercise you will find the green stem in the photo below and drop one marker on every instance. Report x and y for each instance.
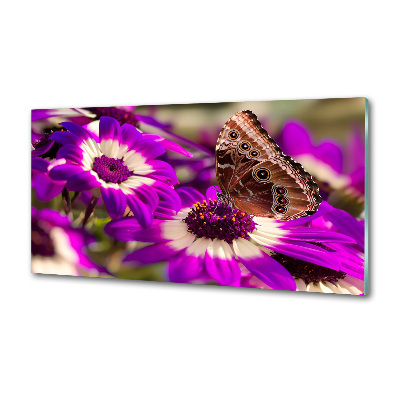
(66, 201)
(89, 210)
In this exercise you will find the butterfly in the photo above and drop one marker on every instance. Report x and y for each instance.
(256, 177)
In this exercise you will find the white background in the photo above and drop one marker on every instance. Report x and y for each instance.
(69, 338)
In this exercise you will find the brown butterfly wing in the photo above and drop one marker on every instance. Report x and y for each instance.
(230, 164)
(257, 177)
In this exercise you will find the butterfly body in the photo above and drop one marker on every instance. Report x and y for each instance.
(256, 177)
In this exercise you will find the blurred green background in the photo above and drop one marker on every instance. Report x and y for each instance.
(334, 118)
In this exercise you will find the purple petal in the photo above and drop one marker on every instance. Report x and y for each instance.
(330, 153)
(353, 269)
(152, 254)
(163, 211)
(71, 153)
(184, 268)
(64, 171)
(167, 194)
(317, 235)
(54, 218)
(42, 149)
(308, 252)
(46, 188)
(296, 139)
(34, 212)
(141, 211)
(115, 201)
(212, 192)
(358, 179)
(168, 144)
(40, 164)
(64, 138)
(221, 265)
(130, 135)
(269, 271)
(323, 208)
(76, 130)
(45, 113)
(128, 229)
(148, 196)
(351, 263)
(109, 129)
(42, 114)
(163, 169)
(356, 150)
(189, 196)
(347, 225)
(149, 149)
(82, 181)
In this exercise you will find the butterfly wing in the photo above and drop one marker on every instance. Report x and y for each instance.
(257, 177)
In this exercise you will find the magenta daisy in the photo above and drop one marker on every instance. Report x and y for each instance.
(89, 117)
(335, 166)
(58, 248)
(312, 277)
(122, 169)
(210, 238)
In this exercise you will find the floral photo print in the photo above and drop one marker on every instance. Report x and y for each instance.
(268, 194)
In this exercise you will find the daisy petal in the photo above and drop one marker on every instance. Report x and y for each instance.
(323, 208)
(64, 138)
(64, 171)
(263, 266)
(159, 252)
(167, 194)
(83, 181)
(42, 149)
(189, 196)
(168, 144)
(149, 149)
(130, 135)
(76, 130)
(189, 265)
(72, 153)
(115, 201)
(40, 164)
(330, 153)
(301, 251)
(221, 264)
(109, 129)
(46, 188)
(212, 192)
(128, 229)
(296, 139)
(162, 169)
(141, 211)
(318, 235)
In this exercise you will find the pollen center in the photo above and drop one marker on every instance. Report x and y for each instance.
(216, 220)
(111, 169)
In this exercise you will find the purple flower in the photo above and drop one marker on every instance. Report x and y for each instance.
(46, 188)
(91, 116)
(43, 153)
(325, 160)
(211, 239)
(122, 169)
(311, 277)
(58, 248)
